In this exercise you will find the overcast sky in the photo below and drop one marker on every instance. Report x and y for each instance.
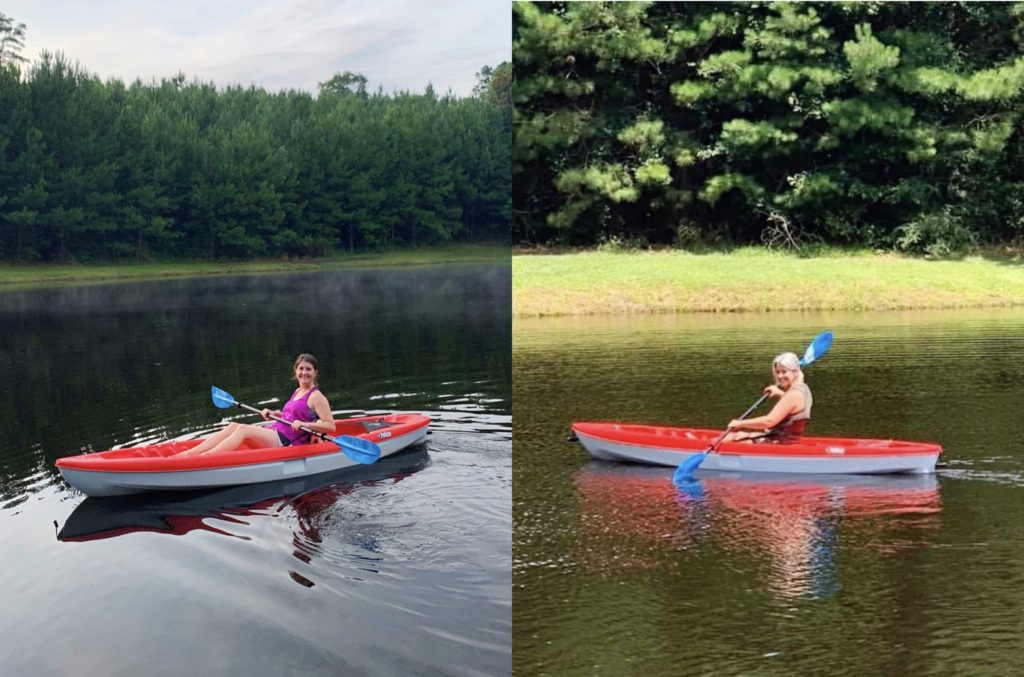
(276, 44)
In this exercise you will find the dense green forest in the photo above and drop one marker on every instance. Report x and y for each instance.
(885, 124)
(94, 170)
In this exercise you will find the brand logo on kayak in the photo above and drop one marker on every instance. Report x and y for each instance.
(384, 435)
(835, 450)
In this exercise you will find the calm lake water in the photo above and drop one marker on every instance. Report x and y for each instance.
(616, 572)
(398, 568)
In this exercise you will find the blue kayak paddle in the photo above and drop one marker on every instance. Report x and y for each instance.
(819, 346)
(356, 448)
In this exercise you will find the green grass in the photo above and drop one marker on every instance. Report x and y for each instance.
(756, 279)
(53, 273)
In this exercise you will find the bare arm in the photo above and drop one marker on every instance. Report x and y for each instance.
(791, 403)
(318, 403)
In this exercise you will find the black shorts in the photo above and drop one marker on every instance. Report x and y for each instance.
(285, 442)
(776, 437)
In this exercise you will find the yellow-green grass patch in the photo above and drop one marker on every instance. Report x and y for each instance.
(755, 279)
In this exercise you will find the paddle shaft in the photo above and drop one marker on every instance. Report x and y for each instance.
(721, 437)
(287, 422)
(819, 346)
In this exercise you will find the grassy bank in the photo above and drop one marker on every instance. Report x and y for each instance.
(51, 273)
(755, 279)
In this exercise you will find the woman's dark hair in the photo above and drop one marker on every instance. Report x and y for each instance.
(305, 357)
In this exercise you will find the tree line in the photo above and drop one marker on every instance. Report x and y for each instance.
(882, 124)
(98, 170)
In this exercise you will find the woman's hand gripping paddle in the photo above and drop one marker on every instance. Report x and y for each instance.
(819, 346)
(356, 448)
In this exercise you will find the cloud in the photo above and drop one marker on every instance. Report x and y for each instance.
(277, 44)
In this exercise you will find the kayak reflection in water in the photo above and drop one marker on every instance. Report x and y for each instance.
(306, 407)
(787, 420)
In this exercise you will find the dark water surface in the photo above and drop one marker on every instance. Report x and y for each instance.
(616, 572)
(398, 568)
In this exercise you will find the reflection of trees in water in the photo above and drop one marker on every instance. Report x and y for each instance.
(91, 365)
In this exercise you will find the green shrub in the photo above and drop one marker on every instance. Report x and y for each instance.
(937, 234)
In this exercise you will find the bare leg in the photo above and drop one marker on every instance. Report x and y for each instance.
(212, 441)
(263, 437)
(741, 436)
(233, 437)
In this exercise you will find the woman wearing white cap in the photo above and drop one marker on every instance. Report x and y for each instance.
(788, 418)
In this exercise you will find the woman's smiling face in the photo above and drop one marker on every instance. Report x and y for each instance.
(305, 373)
(783, 376)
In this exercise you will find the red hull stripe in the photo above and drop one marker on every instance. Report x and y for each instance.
(163, 457)
(689, 440)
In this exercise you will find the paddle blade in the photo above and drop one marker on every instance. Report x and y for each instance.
(358, 449)
(222, 399)
(684, 472)
(819, 346)
(692, 489)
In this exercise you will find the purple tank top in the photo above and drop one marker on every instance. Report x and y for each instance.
(296, 410)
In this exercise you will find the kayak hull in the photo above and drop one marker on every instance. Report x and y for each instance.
(669, 446)
(161, 468)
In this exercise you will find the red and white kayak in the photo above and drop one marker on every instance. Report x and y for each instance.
(160, 467)
(663, 445)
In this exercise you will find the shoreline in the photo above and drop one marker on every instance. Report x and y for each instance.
(580, 283)
(13, 276)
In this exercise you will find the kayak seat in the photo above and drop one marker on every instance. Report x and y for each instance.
(376, 425)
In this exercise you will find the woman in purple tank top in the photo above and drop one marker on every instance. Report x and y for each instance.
(307, 407)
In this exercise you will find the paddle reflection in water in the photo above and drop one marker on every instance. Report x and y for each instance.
(635, 515)
(307, 502)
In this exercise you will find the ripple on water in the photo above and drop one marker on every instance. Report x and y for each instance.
(421, 536)
(903, 577)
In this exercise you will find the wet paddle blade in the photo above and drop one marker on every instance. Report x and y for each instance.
(684, 473)
(221, 398)
(358, 449)
(692, 489)
(819, 346)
